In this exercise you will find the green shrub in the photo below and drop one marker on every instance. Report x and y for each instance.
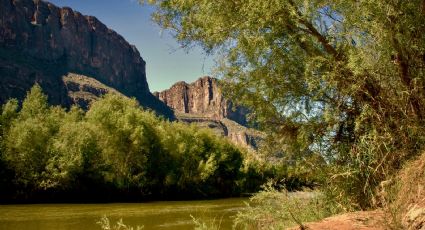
(279, 209)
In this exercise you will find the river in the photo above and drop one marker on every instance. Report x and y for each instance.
(167, 215)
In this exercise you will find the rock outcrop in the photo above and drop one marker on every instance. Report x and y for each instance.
(82, 90)
(40, 42)
(202, 98)
(203, 103)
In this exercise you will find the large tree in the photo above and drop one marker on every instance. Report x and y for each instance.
(342, 78)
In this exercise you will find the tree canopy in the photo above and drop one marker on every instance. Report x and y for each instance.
(116, 151)
(344, 79)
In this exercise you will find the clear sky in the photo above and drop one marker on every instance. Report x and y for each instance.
(166, 63)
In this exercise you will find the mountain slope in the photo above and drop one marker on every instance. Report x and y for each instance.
(41, 43)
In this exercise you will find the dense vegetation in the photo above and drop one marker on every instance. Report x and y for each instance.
(336, 79)
(114, 151)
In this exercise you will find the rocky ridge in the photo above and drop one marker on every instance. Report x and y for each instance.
(76, 59)
(82, 90)
(203, 103)
(202, 98)
(40, 42)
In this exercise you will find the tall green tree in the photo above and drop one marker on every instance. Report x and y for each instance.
(126, 138)
(28, 140)
(199, 162)
(8, 113)
(76, 161)
(344, 79)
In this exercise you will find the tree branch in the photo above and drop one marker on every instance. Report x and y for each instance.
(313, 31)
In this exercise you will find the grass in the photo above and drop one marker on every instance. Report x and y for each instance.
(105, 224)
(403, 196)
(202, 225)
(278, 209)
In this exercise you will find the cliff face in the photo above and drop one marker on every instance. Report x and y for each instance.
(202, 98)
(40, 42)
(202, 103)
(76, 59)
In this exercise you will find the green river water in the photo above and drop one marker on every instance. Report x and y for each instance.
(153, 215)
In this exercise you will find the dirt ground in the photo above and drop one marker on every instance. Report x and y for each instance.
(365, 220)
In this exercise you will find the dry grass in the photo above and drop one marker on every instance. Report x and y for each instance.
(404, 196)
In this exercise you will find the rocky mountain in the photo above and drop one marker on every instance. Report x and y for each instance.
(203, 103)
(202, 98)
(76, 59)
(40, 42)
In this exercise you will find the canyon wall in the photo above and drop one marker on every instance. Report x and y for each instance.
(76, 59)
(40, 42)
(203, 103)
(202, 98)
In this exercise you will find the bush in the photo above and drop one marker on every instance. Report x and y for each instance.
(278, 209)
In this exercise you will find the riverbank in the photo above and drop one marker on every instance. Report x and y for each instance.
(401, 201)
(363, 220)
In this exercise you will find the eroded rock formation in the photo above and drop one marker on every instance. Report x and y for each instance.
(202, 98)
(40, 42)
(203, 103)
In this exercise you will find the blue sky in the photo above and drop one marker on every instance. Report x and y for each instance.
(166, 63)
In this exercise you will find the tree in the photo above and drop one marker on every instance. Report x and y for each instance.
(28, 141)
(331, 77)
(126, 137)
(199, 163)
(9, 112)
(76, 161)
(116, 146)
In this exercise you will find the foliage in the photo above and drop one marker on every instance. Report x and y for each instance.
(116, 147)
(27, 142)
(343, 80)
(219, 162)
(201, 225)
(7, 115)
(106, 225)
(76, 155)
(294, 176)
(278, 209)
(127, 139)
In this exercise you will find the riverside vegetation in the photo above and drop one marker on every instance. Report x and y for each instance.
(116, 147)
(339, 80)
(116, 151)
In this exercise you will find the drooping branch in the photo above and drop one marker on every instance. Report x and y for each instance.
(322, 40)
(315, 33)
